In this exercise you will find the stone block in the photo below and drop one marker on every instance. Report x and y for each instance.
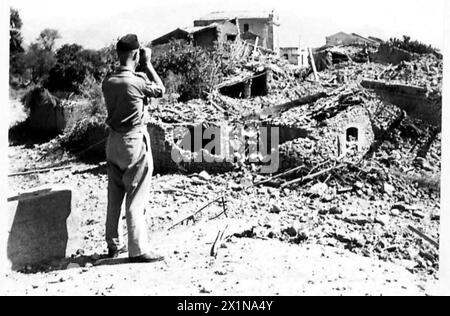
(37, 227)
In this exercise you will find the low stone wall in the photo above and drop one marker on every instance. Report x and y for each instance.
(37, 226)
(413, 100)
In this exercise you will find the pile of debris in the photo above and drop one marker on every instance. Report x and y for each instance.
(335, 105)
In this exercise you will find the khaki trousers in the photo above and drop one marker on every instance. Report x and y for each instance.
(130, 168)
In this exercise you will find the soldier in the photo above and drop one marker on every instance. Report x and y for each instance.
(129, 156)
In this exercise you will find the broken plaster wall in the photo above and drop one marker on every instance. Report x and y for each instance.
(416, 101)
(328, 140)
(197, 156)
(206, 38)
(334, 135)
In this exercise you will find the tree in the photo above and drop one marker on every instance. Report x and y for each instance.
(16, 68)
(47, 39)
(15, 33)
(39, 62)
(40, 57)
(196, 70)
(76, 64)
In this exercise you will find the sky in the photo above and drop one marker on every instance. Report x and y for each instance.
(95, 24)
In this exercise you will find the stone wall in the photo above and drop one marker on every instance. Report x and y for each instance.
(37, 226)
(413, 100)
(333, 137)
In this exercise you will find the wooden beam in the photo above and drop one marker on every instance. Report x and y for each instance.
(313, 64)
(425, 237)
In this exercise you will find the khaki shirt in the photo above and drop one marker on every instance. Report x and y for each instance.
(125, 92)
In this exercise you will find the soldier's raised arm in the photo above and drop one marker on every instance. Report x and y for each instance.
(156, 88)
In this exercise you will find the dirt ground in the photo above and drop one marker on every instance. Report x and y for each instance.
(258, 256)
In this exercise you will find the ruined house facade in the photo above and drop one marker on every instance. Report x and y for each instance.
(262, 27)
(295, 55)
(205, 36)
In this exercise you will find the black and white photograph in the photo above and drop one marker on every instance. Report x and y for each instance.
(224, 149)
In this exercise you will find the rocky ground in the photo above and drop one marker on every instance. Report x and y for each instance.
(276, 241)
(353, 230)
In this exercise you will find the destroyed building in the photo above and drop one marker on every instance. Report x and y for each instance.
(358, 126)
(262, 27)
(204, 36)
(329, 119)
(342, 38)
(257, 28)
(295, 55)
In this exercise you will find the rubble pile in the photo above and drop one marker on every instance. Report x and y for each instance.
(317, 184)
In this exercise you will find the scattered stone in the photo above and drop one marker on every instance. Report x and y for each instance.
(435, 217)
(359, 185)
(236, 187)
(357, 220)
(401, 208)
(382, 220)
(205, 176)
(291, 232)
(221, 273)
(300, 238)
(318, 189)
(388, 189)
(419, 214)
(73, 266)
(205, 291)
(275, 209)
(335, 210)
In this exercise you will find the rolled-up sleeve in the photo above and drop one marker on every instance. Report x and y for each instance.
(149, 88)
(152, 90)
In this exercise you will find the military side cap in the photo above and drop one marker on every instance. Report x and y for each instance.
(128, 43)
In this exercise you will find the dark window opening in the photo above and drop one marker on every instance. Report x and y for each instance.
(234, 91)
(246, 28)
(231, 38)
(352, 134)
(286, 56)
(257, 86)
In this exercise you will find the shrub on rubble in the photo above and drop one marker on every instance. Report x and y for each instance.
(412, 46)
(84, 116)
(86, 125)
(87, 138)
(197, 70)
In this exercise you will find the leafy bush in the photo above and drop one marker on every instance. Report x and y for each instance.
(191, 70)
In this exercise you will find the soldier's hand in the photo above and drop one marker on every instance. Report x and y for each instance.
(146, 55)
